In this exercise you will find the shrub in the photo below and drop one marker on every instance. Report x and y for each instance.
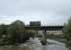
(39, 35)
(67, 33)
(31, 33)
(15, 33)
(43, 41)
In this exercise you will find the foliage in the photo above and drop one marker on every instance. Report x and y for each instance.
(67, 33)
(44, 38)
(43, 41)
(32, 33)
(3, 34)
(15, 33)
(39, 35)
(3, 29)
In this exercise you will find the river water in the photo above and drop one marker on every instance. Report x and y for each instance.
(34, 44)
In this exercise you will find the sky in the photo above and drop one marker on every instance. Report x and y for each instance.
(49, 12)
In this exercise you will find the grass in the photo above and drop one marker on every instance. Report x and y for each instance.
(15, 48)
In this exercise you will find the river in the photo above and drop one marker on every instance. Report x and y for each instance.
(34, 44)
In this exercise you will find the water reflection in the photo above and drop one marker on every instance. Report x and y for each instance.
(44, 48)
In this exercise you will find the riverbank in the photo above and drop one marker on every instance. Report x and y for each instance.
(59, 37)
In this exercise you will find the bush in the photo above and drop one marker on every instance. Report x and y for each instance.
(32, 33)
(39, 35)
(43, 41)
(67, 33)
(15, 33)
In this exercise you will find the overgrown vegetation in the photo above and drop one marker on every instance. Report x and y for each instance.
(15, 33)
(43, 41)
(67, 32)
(44, 38)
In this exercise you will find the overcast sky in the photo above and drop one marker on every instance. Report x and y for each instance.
(49, 12)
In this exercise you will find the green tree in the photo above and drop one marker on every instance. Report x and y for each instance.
(67, 33)
(16, 32)
(3, 33)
